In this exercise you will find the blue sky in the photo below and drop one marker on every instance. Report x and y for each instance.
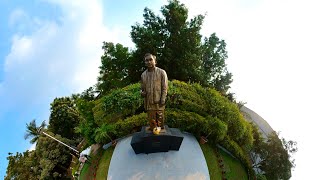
(52, 48)
(46, 53)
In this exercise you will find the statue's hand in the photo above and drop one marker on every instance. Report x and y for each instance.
(143, 93)
(162, 103)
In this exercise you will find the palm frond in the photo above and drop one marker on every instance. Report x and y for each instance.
(33, 131)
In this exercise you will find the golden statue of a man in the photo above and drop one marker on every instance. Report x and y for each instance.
(154, 87)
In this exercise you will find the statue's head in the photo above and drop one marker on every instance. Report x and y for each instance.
(150, 60)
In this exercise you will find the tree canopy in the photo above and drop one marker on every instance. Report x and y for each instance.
(178, 46)
(64, 117)
(54, 158)
(50, 160)
(272, 157)
(22, 166)
(276, 159)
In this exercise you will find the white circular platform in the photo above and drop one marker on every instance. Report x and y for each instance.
(186, 164)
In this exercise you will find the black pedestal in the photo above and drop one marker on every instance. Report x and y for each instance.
(146, 142)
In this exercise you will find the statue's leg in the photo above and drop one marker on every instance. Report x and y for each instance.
(160, 118)
(151, 119)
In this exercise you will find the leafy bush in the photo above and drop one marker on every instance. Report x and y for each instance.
(126, 126)
(206, 102)
(238, 152)
(209, 102)
(185, 97)
(102, 133)
(118, 104)
(196, 124)
(122, 127)
(185, 121)
(189, 107)
(87, 123)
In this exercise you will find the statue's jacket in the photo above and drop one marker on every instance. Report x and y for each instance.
(155, 85)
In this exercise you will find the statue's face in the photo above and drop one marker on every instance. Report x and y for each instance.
(149, 61)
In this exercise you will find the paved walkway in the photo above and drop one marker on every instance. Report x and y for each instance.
(186, 164)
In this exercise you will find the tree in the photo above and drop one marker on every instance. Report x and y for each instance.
(54, 158)
(87, 125)
(114, 67)
(274, 157)
(175, 41)
(33, 131)
(64, 117)
(149, 37)
(214, 68)
(177, 44)
(50, 160)
(22, 166)
(276, 162)
(85, 102)
(88, 95)
(257, 148)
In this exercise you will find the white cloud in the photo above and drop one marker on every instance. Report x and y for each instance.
(56, 58)
(272, 47)
(23, 48)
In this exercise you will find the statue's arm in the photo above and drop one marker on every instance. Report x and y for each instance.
(143, 88)
(164, 88)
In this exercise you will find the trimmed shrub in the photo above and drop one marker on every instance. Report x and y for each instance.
(238, 152)
(126, 126)
(185, 121)
(206, 102)
(209, 102)
(118, 104)
(190, 107)
(196, 124)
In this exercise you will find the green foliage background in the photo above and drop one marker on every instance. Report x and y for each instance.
(189, 107)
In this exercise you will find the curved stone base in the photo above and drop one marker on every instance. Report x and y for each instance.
(186, 164)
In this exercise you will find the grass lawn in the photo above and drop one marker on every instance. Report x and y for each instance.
(233, 167)
(212, 161)
(99, 165)
(104, 163)
(84, 171)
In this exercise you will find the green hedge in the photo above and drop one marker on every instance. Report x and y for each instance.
(125, 102)
(187, 97)
(185, 121)
(189, 107)
(206, 102)
(196, 124)
(209, 102)
(126, 126)
(238, 152)
(118, 104)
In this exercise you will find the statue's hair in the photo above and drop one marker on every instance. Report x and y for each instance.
(149, 54)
